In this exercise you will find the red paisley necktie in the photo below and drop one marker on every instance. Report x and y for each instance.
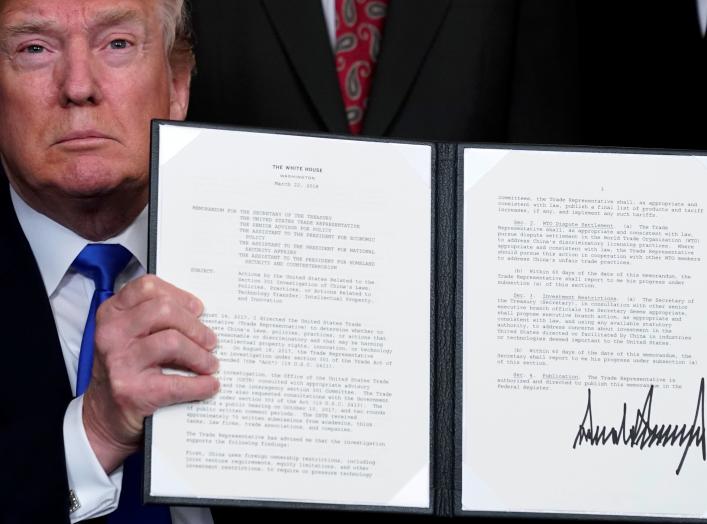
(359, 26)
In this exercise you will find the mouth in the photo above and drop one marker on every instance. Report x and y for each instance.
(83, 139)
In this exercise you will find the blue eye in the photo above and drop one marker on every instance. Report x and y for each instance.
(34, 49)
(119, 43)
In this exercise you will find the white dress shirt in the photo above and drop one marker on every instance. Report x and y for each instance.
(55, 248)
(702, 15)
(329, 9)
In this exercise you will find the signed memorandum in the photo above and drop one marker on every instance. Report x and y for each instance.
(585, 346)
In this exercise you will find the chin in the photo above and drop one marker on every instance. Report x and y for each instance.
(96, 177)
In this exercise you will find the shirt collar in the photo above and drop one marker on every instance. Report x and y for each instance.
(55, 247)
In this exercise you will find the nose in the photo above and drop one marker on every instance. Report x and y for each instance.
(78, 80)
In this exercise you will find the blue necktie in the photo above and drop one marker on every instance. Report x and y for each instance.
(102, 263)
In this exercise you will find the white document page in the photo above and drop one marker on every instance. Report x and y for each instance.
(312, 257)
(584, 295)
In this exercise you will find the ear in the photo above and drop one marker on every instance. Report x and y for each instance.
(179, 91)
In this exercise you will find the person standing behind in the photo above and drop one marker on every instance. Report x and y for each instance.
(448, 70)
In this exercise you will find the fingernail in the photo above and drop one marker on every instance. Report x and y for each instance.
(215, 364)
(196, 306)
(211, 340)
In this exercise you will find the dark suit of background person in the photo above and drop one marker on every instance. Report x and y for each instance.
(644, 74)
(449, 70)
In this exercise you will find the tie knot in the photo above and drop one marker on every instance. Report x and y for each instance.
(102, 263)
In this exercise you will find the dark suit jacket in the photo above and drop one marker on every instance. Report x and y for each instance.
(452, 70)
(34, 387)
(644, 74)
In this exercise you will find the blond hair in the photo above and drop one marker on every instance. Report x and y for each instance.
(178, 37)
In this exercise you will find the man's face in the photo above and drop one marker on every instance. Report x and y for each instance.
(79, 82)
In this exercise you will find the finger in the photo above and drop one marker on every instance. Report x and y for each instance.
(164, 313)
(173, 389)
(170, 348)
(149, 287)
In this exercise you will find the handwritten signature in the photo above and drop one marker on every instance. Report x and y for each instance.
(644, 434)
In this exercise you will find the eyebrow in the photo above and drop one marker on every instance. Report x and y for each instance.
(31, 26)
(117, 16)
(102, 20)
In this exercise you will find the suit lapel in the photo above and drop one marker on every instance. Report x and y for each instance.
(303, 34)
(410, 29)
